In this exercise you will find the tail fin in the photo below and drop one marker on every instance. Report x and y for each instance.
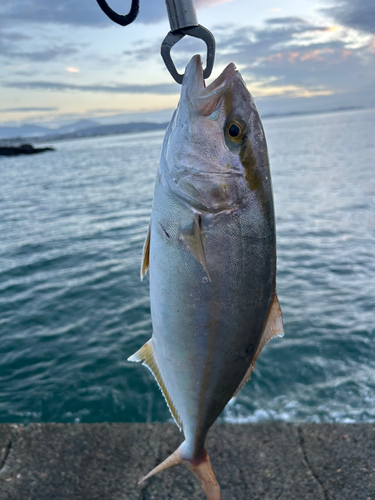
(202, 469)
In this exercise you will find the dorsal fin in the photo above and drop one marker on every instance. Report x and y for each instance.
(192, 239)
(146, 253)
(273, 328)
(147, 355)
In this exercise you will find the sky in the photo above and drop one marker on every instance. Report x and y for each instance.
(64, 60)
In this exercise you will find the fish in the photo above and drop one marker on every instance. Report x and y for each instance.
(211, 255)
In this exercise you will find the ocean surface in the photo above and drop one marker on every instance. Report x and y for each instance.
(72, 306)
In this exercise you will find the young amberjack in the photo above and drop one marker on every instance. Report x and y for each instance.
(211, 254)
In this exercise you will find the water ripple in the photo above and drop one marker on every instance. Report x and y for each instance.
(72, 307)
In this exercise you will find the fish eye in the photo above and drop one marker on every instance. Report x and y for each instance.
(234, 131)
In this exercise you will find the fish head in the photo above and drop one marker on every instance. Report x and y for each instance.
(216, 149)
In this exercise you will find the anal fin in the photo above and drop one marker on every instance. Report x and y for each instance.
(274, 328)
(146, 253)
(147, 355)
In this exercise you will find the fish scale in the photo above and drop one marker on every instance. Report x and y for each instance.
(211, 255)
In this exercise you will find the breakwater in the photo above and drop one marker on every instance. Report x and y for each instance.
(252, 462)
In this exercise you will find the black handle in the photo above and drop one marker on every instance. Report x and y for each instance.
(117, 18)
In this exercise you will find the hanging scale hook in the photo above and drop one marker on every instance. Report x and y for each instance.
(183, 21)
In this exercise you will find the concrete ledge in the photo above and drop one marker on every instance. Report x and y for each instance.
(252, 462)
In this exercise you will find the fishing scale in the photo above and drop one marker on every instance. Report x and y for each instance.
(183, 21)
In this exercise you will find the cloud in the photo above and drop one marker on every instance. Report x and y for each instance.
(43, 55)
(142, 52)
(248, 46)
(27, 110)
(12, 46)
(293, 58)
(82, 12)
(9, 41)
(358, 14)
(168, 88)
(285, 20)
(289, 56)
(72, 69)
(12, 36)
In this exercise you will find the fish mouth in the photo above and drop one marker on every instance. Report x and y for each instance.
(206, 99)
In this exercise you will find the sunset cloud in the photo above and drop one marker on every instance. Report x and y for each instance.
(95, 88)
(358, 14)
(29, 109)
(75, 55)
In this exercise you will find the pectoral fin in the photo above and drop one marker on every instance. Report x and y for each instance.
(146, 253)
(192, 240)
(147, 355)
(274, 328)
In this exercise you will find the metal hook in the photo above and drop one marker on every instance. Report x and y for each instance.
(117, 18)
(183, 21)
(174, 36)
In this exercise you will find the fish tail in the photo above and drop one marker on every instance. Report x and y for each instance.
(203, 471)
(201, 468)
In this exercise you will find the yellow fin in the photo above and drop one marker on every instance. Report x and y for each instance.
(274, 328)
(202, 469)
(206, 476)
(146, 253)
(193, 242)
(147, 355)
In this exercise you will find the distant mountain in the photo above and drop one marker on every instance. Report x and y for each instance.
(87, 128)
(82, 128)
(23, 131)
(75, 127)
(313, 112)
(120, 128)
(38, 131)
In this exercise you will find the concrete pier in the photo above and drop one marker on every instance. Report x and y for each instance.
(252, 462)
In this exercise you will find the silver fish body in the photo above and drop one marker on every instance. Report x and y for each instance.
(211, 253)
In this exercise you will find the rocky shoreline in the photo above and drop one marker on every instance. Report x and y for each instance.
(23, 149)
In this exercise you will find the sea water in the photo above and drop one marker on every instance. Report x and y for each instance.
(73, 308)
